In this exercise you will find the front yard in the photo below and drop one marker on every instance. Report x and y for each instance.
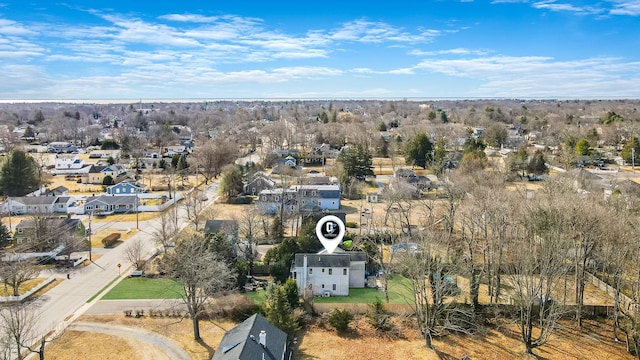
(145, 288)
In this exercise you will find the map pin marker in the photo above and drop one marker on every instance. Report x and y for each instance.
(330, 230)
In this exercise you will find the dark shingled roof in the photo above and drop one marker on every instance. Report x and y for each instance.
(324, 260)
(226, 226)
(242, 342)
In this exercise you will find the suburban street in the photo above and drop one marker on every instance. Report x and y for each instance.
(68, 300)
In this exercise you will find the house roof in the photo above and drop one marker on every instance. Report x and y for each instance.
(227, 226)
(62, 199)
(35, 200)
(342, 260)
(113, 200)
(242, 342)
(95, 169)
(57, 223)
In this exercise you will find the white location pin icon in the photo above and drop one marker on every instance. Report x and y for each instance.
(330, 230)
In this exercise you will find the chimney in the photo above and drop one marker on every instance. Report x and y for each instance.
(263, 338)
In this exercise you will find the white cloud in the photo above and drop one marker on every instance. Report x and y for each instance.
(626, 7)
(456, 51)
(378, 32)
(555, 6)
(539, 76)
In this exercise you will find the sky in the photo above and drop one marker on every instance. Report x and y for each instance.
(193, 49)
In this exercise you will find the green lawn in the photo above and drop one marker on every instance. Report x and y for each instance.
(145, 288)
(400, 292)
(258, 297)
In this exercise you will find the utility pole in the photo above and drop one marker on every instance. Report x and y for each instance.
(90, 235)
(633, 159)
(137, 213)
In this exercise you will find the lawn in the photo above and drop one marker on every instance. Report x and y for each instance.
(258, 297)
(145, 288)
(400, 292)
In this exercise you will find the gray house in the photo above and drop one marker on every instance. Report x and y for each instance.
(109, 204)
(253, 339)
(258, 182)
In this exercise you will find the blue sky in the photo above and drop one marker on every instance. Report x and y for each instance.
(330, 49)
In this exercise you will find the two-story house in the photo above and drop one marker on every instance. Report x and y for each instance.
(45, 234)
(126, 188)
(305, 198)
(330, 274)
(257, 183)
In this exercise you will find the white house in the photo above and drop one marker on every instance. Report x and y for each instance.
(330, 274)
(29, 205)
(68, 162)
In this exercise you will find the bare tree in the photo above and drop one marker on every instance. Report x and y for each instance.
(193, 205)
(15, 270)
(432, 283)
(213, 155)
(166, 228)
(538, 263)
(202, 273)
(250, 231)
(134, 252)
(17, 332)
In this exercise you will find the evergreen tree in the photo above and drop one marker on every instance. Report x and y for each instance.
(627, 152)
(357, 162)
(537, 165)
(418, 150)
(277, 310)
(19, 175)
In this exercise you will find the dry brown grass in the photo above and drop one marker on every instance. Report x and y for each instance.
(76, 345)
(593, 342)
(23, 288)
(319, 341)
(81, 345)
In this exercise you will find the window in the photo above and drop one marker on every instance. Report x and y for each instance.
(294, 275)
(277, 198)
(334, 287)
(331, 273)
(344, 271)
(323, 286)
(322, 269)
(118, 191)
(19, 230)
(310, 271)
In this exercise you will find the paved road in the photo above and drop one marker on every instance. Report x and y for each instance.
(67, 301)
(172, 350)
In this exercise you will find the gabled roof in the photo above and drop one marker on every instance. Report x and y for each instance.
(226, 226)
(35, 200)
(57, 223)
(113, 200)
(342, 260)
(242, 342)
(95, 169)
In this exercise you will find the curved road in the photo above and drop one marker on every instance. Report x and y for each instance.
(172, 350)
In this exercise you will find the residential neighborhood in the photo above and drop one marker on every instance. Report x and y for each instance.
(436, 222)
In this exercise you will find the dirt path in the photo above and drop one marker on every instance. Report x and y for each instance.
(149, 345)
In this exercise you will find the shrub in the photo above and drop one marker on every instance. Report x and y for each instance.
(340, 320)
(110, 239)
(108, 180)
(379, 318)
(351, 224)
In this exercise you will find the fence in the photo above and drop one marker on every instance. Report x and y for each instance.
(28, 293)
(625, 301)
